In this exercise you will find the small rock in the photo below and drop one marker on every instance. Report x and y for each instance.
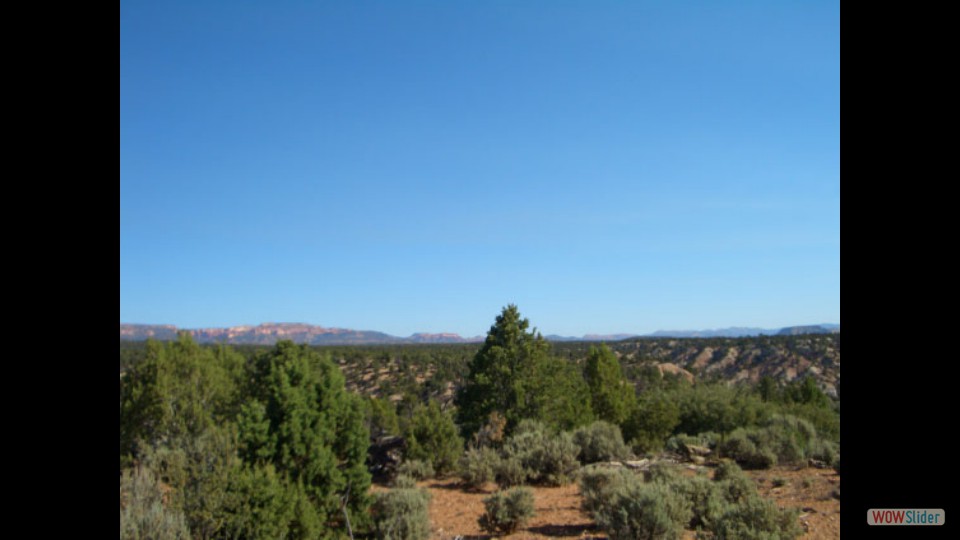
(637, 464)
(693, 450)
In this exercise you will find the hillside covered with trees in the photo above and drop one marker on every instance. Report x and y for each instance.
(437, 369)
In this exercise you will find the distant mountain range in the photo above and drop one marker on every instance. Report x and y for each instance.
(591, 337)
(739, 331)
(270, 333)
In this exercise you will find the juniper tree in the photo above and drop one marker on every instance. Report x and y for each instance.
(514, 375)
(612, 396)
(301, 419)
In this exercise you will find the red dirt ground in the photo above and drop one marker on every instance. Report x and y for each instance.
(808, 490)
(454, 511)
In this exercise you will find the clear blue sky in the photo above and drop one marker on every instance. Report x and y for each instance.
(411, 166)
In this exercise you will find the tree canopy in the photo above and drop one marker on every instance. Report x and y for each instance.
(282, 464)
(514, 375)
(613, 397)
(300, 418)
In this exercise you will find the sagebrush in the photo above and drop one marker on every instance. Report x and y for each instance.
(402, 514)
(505, 511)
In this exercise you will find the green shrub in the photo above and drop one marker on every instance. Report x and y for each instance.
(380, 416)
(736, 445)
(626, 507)
(741, 447)
(762, 459)
(779, 481)
(261, 503)
(782, 439)
(198, 470)
(598, 483)
(651, 422)
(509, 472)
(416, 469)
(733, 484)
(638, 510)
(478, 466)
(433, 437)
(526, 427)
(600, 441)
(518, 449)
(726, 470)
(664, 473)
(757, 519)
(719, 408)
(705, 498)
(737, 489)
(800, 429)
(825, 420)
(402, 514)
(305, 522)
(760, 448)
(548, 459)
(792, 439)
(507, 510)
(555, 462)
(402, 481)
(142, 512)
(677, 443)
(825, 451)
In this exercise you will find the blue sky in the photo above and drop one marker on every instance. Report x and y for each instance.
(416, 166)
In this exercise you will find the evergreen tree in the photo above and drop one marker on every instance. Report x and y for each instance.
(613, 397)
(807, 392)
(767, 388)
(259, 506)
(176, 393)
(302, 420)
(381, 417)
(561, 396)
(651, 422)
(513, 375)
